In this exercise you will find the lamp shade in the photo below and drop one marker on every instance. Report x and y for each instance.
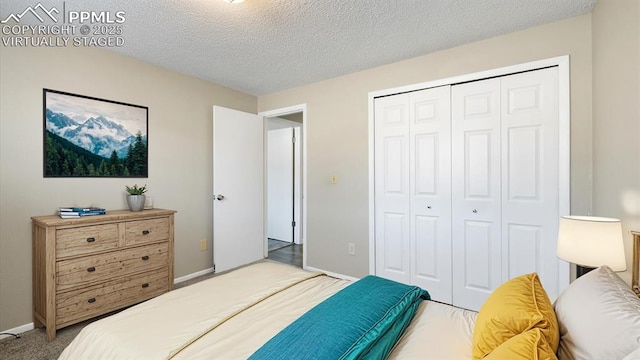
(591, 241)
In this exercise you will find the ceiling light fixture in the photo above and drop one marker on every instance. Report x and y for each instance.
(233, 1)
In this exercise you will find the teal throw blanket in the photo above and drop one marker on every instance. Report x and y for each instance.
(362, 321)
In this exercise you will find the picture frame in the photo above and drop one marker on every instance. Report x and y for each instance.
(85, 136)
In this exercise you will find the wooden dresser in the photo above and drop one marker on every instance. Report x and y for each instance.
(92, 265)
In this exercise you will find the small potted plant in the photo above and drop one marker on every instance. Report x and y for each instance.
(135, 197)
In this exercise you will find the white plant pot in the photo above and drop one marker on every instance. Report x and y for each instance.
(135, 202)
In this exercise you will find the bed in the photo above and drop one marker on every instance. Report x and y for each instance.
(246, 313)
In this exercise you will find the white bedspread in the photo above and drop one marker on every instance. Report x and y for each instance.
(232, 315)
(438, 332)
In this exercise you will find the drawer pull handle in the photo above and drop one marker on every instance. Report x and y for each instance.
(145, 232)
(145, 285)
(92, 300)
(146, 257)
(91, 269)
(91, 239)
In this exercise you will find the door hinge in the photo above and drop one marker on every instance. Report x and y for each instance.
(293, 224)
(293, 139)
(214, 268)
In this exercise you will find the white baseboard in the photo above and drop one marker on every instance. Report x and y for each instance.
(193, 275)
(332, 274)
(26, 327)
(17, 330)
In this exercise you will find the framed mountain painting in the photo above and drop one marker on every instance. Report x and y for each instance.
(91, 137)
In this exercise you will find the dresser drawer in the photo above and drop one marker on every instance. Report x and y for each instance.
(145, 231)
(86, 240)
(98, 268)
(95, 300)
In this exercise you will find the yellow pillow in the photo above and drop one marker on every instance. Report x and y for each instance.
(516, 306)
(530, 345)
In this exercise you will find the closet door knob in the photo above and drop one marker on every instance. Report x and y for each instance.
(429, 207)
(475, 211)
(219, 197)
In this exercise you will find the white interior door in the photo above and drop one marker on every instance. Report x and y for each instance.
(530, 178)
(430, 187)
(280, 182)
(392, 192)
(476, 195)
(238, 188)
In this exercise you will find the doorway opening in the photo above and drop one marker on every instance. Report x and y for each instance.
(285, 185)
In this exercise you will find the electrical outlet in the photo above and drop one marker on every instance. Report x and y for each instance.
(351, 249)
(203, 245)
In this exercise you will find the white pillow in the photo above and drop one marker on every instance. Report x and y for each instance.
(599, 318)
(634, 355)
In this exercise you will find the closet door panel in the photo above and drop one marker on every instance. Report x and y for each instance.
(477, 263)
(523, 249)
(430, 188)
(425, 252)
(426, 164)
(530, 158)
(394, 260)
(523, 176)
(476, 194)
(392, 191)
(478, 163)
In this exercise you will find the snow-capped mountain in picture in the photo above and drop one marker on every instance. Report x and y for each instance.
(98, 134)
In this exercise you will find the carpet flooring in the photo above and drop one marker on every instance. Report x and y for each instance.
(32, 344)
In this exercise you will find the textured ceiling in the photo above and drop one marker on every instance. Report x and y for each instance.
(263, 46)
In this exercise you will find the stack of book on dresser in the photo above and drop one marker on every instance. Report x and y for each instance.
(76, 212)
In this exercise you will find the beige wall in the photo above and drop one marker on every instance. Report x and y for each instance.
(616, 115)
(180, 158)
(337, 130)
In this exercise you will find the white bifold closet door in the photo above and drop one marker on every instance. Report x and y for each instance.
(466, 185)
(413, 189)
(505, 156)
(476, 195)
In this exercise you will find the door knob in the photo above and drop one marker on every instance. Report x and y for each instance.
(475, 211)
(219, 197)
(429, 207)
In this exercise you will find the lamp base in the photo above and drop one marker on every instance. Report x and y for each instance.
(581, 270)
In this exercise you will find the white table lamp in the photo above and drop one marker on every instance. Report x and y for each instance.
(590, 242)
